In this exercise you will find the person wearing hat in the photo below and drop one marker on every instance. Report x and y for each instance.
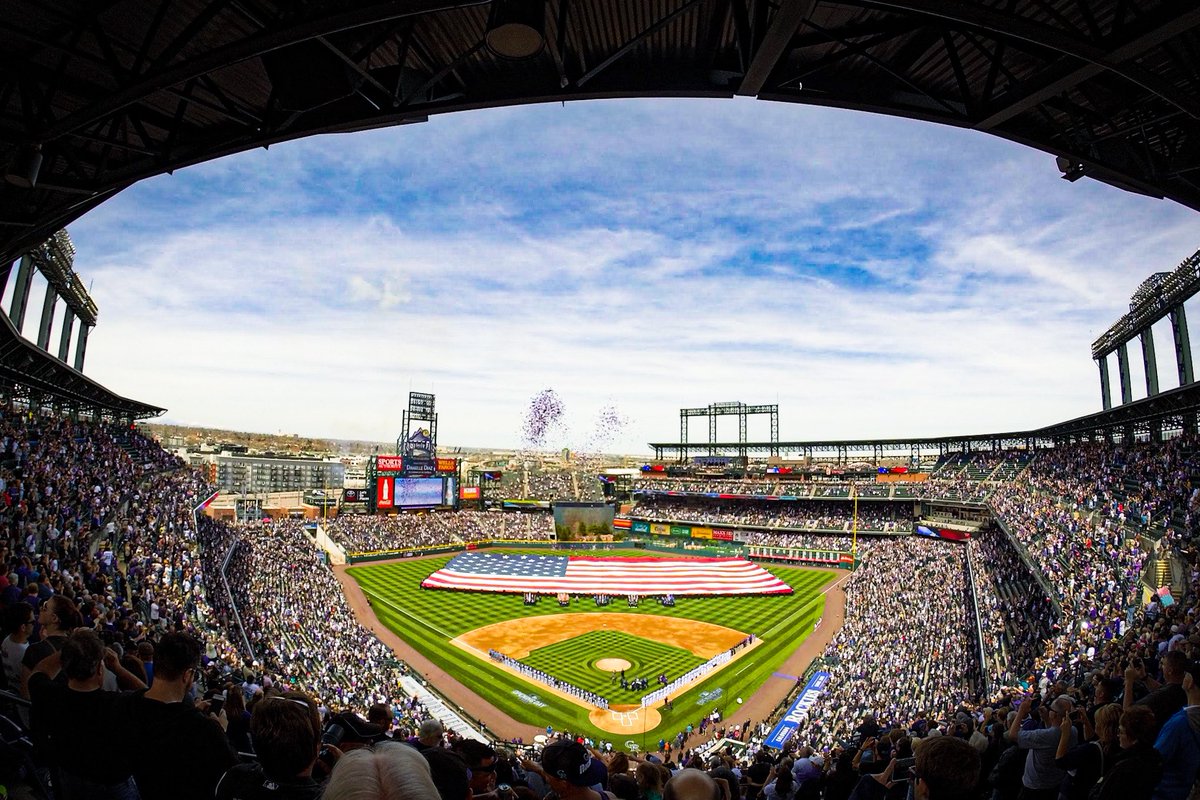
(571, 771)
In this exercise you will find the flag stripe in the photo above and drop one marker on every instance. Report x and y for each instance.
(491, 572)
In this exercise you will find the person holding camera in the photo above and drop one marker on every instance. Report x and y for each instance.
(1042, 776)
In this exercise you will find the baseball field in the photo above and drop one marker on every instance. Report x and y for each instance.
(585, 645)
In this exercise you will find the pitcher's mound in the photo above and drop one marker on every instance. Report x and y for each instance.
(612, 664)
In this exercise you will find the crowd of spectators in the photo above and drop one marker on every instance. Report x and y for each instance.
(110, 583)
(908, 641)
(530, 480)
(375, 533)
(802, 516)
(1015, 614)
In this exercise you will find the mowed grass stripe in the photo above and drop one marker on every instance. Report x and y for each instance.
(414, 613)
(574, 661)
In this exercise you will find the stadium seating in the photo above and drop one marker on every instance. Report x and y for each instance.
(1049, 600)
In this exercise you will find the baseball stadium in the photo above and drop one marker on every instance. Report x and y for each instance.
(818, 591)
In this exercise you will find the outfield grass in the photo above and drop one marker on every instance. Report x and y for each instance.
(427, 619)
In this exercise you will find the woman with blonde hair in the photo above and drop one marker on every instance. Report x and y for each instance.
(1093, 758)
(388, 771)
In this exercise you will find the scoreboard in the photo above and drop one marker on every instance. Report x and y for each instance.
(398, 482)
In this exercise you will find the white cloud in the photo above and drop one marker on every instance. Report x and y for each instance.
(877, 277)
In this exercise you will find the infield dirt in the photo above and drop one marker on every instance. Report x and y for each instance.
(757, 707)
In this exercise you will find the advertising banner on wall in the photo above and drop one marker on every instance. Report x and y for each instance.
(799, 710)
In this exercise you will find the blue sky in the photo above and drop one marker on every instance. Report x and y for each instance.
(874, 276)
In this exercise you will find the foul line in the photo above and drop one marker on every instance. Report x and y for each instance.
(408, 614)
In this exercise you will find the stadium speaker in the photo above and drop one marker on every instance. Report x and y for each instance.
(308, 75)
(516, 28)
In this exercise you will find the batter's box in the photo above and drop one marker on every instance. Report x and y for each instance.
(625, 719)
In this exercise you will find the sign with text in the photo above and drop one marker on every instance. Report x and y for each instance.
(798, 711)
(389, 463)
(447, 465)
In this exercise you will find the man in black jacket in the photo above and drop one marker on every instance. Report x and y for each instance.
(182, 751)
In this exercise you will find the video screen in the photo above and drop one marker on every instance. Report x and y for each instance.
(576, 520)
(419, 492)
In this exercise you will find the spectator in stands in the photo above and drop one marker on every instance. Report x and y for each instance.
(238, 729)
(1042, 776)
(286, 730)
(388, 771)
(1085, 763)
(1179, 744)
(449, 773)
(430, 734)
(1138, 767)
(1166, 698)
(481, 760)
(19, 621)
(182, 751)
(58, 617)
(78, 725)
(572, 772)
(691, 784)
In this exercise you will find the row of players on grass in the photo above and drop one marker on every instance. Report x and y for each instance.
(548, 679)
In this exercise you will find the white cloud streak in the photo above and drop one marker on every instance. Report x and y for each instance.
(878, 277)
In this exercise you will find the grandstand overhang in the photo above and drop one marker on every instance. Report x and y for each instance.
(106, 95)
(28, 371)
(1152, 417)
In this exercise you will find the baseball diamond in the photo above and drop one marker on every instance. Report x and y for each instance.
(455, 630)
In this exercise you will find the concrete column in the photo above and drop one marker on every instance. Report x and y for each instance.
(81, 345)
(1105, 387)
(20, 298)
(1149, 362)
(1123, 368)
(43, 340)
(1183, 345)
(64, 341)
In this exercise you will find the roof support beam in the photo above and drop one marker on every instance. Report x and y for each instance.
(1008, 26)
(239, 51)
(1055, 86)
(783, 26)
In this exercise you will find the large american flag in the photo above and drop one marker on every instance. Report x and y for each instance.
(507, 572)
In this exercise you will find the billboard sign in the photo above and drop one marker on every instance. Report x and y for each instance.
(446, 464)
(389, 463)
(385, 492)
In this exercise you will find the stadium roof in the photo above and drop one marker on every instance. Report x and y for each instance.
(106, 92)
(27, 370)
(1168, 411)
